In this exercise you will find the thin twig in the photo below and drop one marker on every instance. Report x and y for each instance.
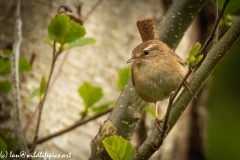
(211, 37)
(15, 79)
(171, 99)
(41, 103)
(33, 115)
(215, 41)
(59, 69)
(75, 125)
(173, 96)
(92, 9)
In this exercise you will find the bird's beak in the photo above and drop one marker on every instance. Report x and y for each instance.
(131, 60)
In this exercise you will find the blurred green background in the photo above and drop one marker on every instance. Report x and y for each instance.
(223, 106)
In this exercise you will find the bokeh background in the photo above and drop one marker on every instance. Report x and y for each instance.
(223, 106)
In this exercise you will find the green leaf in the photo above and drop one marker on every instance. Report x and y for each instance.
(90, 94)
(192, 60)
(24, 65)
(83, 41)
(194, 49)
(102, 107)
(35, 93)
(3, 146)
(10, 142)
(150, 111)
(7, 52)
(5, 86)
(39, 91)
(123, 76)
(61, 29)
(5, 67)
(48, 42)
(42, 87)
(118, 148)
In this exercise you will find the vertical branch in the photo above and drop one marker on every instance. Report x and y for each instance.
(216, 15)
(41, 103)
(211, 36)
(15, 79)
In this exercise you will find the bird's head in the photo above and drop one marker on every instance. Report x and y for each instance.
(147, 51)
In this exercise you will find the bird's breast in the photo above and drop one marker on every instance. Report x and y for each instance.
(154, 84)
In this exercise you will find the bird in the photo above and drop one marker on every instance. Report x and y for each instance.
(156, 72)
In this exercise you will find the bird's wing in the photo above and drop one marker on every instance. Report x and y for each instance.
(179, 59)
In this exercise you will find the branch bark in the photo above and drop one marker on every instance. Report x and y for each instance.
(174, 24)
(213, 58)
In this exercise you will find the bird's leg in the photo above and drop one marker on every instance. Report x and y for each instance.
(157, 120)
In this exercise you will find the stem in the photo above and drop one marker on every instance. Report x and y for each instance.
(30, 120)
(41, 103)
(216, 15)
(211, 37)
(213, 58)
(15, 79)
(73, 126)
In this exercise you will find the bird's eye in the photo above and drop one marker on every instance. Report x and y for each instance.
(146, 52)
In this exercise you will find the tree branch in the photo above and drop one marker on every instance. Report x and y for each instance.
(213, 58)
(15, 79)
(174, 24)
